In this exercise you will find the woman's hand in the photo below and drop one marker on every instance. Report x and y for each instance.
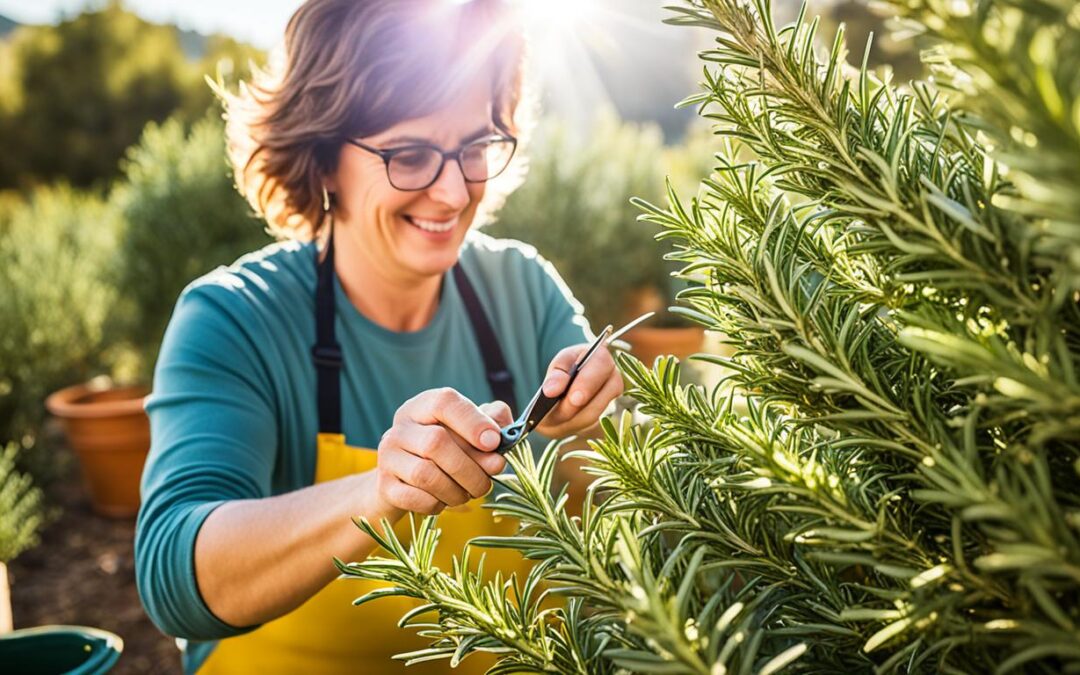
(439, 452)
(597, 385)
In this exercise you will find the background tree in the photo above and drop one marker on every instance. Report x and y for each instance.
(890, 479)
(76, 95)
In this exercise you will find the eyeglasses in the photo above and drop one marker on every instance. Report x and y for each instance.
(417, 167)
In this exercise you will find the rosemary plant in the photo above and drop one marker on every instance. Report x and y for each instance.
(21, 511)
(21, 517)
(889, 480)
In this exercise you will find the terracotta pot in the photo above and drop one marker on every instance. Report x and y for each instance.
(647, 342)
(110, 433)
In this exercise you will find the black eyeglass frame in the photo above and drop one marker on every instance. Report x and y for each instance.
(389, 154)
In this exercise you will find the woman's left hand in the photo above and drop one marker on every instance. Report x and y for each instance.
(597, 385)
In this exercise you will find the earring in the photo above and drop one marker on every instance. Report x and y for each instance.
(325, 200)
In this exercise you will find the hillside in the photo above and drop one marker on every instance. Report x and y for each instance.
(6, 26)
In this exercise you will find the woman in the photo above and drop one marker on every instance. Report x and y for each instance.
(384, 324)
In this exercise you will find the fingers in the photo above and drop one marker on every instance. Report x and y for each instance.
(569, 418)
(593, 377)
(491, 462)
(559, 371)
(457, 413)
(592, 411)
(407, 497)
(433, 461)
(438, 452)
(426, 475)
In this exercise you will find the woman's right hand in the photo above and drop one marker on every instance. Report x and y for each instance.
(439, 453)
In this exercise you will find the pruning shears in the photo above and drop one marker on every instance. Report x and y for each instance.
(541, 405)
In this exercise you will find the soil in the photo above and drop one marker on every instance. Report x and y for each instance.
(83, 573)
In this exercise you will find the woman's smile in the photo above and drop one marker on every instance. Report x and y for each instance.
(435, 229)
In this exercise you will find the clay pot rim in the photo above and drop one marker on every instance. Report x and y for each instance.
(68, 402)
(653, 330)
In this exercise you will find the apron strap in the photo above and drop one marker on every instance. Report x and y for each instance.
(327, 352)
(328, 357)
(499, 376)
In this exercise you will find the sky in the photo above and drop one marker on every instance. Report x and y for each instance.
(260, 22)
(591, 53)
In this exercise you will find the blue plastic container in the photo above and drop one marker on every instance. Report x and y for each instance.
(56, 650)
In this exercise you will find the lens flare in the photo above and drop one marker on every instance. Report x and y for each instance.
(557, 14)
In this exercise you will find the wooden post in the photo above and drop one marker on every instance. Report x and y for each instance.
(6, 623)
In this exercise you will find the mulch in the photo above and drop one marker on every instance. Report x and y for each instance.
(83, 573)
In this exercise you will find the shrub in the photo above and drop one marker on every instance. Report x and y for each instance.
(21, 514)
(54, 252)
(182, 218)
(21, 517)
(575, 204)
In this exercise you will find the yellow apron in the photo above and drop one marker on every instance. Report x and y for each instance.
(327, 634)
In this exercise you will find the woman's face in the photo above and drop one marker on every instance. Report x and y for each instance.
(411, 235)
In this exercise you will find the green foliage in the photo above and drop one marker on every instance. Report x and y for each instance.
(575, 204)
(10, 201)
(90, 284)
(53, 255)
(1027, 55)
(898, 489)
(862, 19)
(182, 218)
(624, 610)
(21, 514)
(225, 60)
(74, 96)
(503, 615)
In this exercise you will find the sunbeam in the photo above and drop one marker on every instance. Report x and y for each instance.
(595, 54)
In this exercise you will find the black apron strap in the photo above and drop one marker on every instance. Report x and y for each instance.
(327, 352)
(329, 361)
(498, 375)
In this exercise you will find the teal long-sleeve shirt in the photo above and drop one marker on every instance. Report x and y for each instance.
(233, 411)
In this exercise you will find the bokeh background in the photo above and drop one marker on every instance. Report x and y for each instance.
(114, 194)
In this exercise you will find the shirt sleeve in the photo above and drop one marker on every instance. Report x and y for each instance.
(214, 437)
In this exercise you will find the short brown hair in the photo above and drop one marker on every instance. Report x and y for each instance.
(354, 68)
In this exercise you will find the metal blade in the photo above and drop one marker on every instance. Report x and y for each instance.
(622, 331)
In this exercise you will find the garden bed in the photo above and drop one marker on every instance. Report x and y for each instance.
(83, 573)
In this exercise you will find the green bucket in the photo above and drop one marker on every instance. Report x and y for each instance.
(52, 650)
